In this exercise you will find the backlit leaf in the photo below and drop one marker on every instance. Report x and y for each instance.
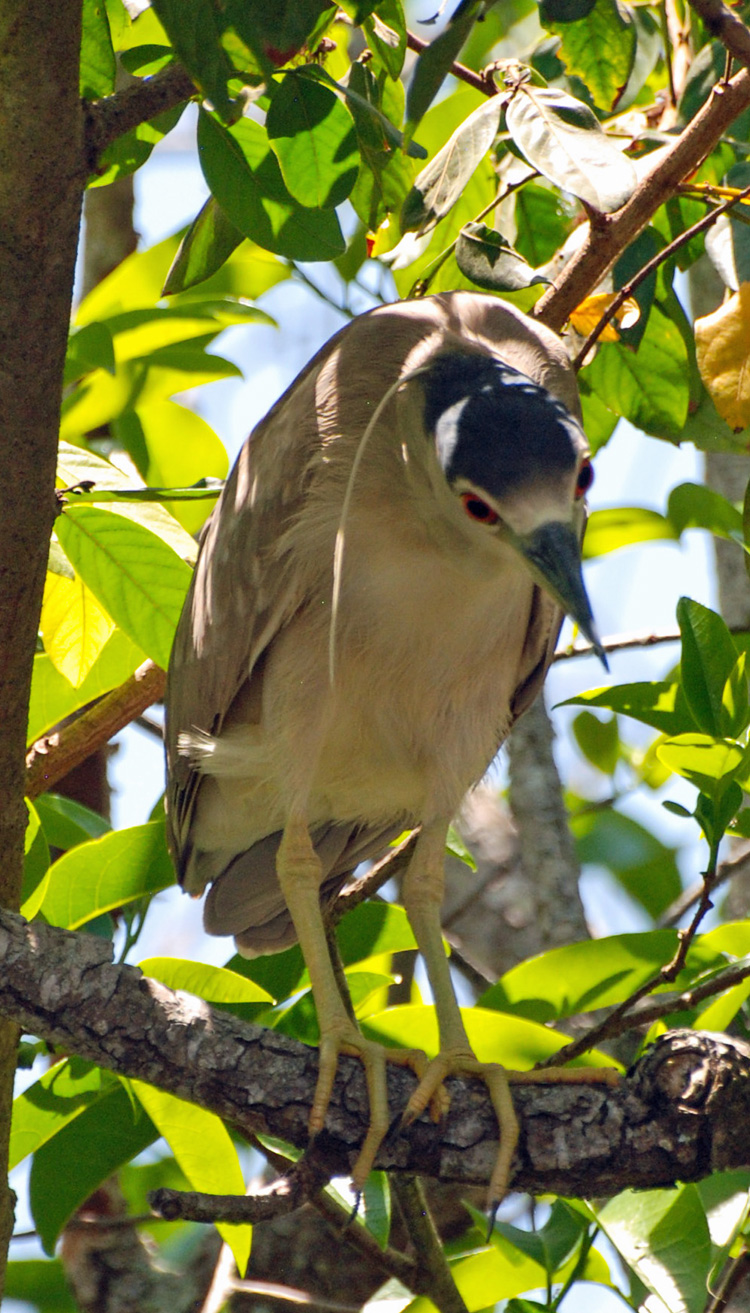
(209, 241)
(621, 526)
(599, 48)
(708, 659)
(649, 387)
(204, 1150)
(73, 626)
(106, 873)
(663, 1235)
(722, 343)
(136, 577)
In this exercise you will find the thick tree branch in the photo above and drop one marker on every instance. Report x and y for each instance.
(113, 116)
(726, 27)
(52, 757)
(606, 242)
(679, 1115)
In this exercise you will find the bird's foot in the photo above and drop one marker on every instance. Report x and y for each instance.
(344, 1037)
(461, 1061)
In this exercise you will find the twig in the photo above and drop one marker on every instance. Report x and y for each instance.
(50, 758)
(289, 1295)
(480, 82)
(113, 116)
(665, 1005)
(395, 861)
(605, 244)
(688, 897)
(726, 27)
(648, 268)
(300, 1184)
(737, 1271)
(665, 976)
(433, 1277)
(622, 643)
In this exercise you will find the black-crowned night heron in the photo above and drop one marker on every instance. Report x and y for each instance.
(377, 599)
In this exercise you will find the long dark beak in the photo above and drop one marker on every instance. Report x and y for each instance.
(554, 555)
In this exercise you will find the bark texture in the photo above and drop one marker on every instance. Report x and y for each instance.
(681, 1113)
(40, 199)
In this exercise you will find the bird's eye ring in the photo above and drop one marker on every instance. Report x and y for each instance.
(478, 509)
(585, 479)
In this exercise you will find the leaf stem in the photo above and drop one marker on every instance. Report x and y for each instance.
(648, 268)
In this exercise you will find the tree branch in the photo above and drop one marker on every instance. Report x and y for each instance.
(606, 242)
(679, 1115)
(52, 757)
(113, 116)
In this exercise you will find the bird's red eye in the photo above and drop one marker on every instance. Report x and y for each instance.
(585, 479)
(478, 509)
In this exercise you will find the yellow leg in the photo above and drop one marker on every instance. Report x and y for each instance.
(423, 896)
(299, 872)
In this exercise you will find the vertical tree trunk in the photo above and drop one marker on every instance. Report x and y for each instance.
(41, 182)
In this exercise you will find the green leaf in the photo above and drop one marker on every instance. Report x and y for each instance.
(659, 703)
(663, 1236)
(36, 864)
(598, 740)
(709, 657)
(734, 699)
(314, 141)
(209, 241)
(214, 984)
(59, 1096)
(645, 867)
(651, 387)
(89, 348)
(488, 260)
(98, 68)
(371, 929)
(244, 176)
(71, 1165)
(42, 1284)
(385, 174)
(455, 846)
(608, 530)
(543, 222)
(494, 1037)
(708, 763)
(67, 823)
(561, 137)
(694, 506)
(144, 61)
(193, 29)
(599, 48)
(386, 36)
(137, 578)
(73, 626)
(434, 62)
(181, 448)
(106, 873)
(599, 422)
(563, 11)
(376, 1207)
(553, 1244)
(581, 977)
(202, 1146)
(439, 185)
(53, 697)
(130, 150)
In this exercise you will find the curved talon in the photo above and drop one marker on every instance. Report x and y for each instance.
(373, 1056)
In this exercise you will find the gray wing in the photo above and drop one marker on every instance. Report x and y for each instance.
(241, 594)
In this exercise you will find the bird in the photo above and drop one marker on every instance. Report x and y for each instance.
(377, 598)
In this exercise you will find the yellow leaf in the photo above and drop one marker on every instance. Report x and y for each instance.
(74, 626)
(722, 342)
(586, 316)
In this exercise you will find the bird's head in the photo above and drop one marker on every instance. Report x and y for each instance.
(518, 463)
